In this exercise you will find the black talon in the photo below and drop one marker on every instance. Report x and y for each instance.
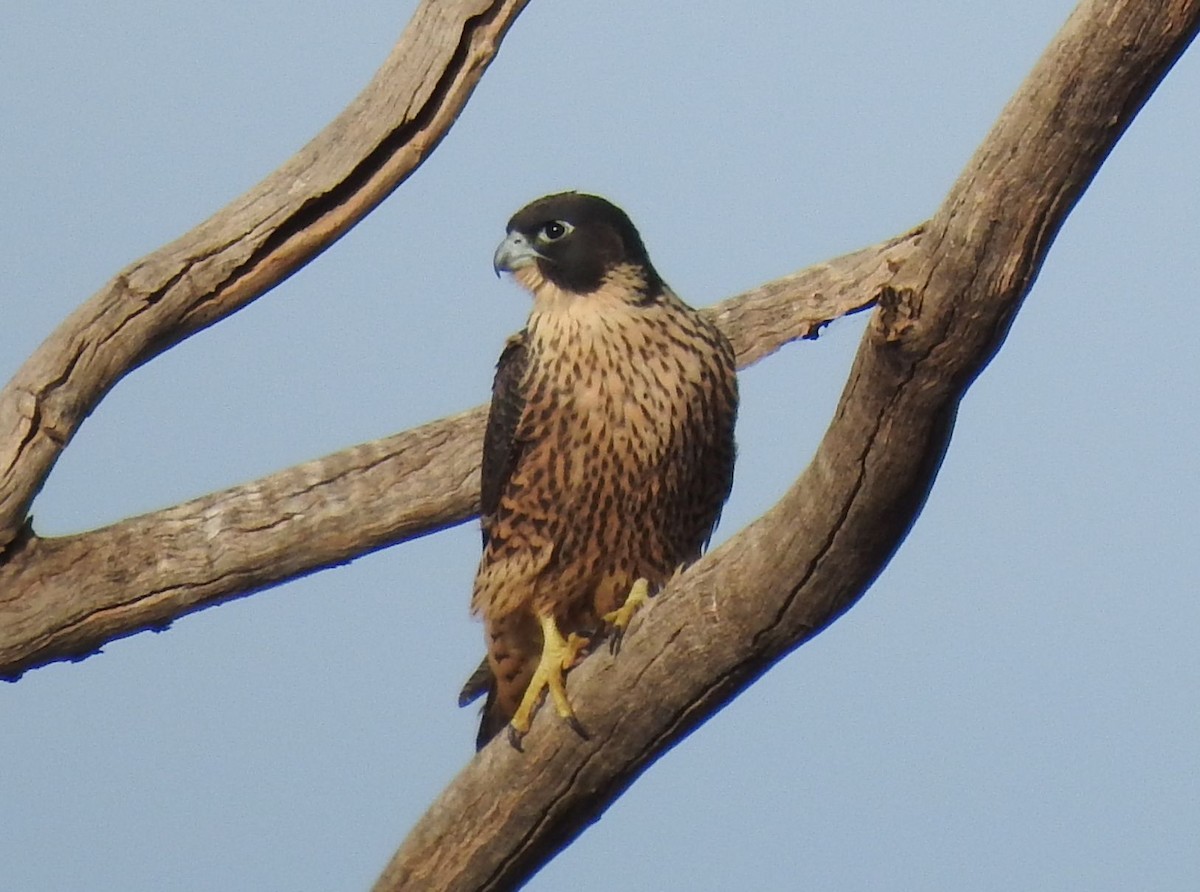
(514, 739)
(578, 728)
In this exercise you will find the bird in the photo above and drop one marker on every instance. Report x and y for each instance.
(608, 453)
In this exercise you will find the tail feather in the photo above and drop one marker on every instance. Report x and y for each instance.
(491, 718)
(480, 683)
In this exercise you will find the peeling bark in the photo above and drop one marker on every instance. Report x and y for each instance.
(946, 294)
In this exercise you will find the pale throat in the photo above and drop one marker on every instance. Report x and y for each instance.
(593, 333)
(588, 345)
(620, 291)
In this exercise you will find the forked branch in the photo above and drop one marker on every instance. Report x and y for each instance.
(797, 568)
(946, 294)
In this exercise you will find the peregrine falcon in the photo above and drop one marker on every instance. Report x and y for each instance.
(608, 453)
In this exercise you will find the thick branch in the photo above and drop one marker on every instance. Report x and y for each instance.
(64, 598)
(807, 560)
(946, 302)
(250, 246)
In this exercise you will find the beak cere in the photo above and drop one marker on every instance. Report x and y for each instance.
(514, 252)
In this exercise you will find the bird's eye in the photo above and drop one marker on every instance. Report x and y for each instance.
(553, 231)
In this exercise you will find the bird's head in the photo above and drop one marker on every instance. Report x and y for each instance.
(575, 242)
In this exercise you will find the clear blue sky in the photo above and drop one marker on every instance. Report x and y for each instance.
(1013, 706)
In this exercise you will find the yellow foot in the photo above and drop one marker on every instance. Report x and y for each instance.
(620, 618)
(558, 655)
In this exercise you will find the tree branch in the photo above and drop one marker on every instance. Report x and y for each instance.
(947, 296)
(806, 561)
(64, 598)
(253, 244)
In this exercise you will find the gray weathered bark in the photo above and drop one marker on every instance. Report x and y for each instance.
(941, 317)
(946, 295)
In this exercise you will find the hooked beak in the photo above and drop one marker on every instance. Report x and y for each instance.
(514, 252)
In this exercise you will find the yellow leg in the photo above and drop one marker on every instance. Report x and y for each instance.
(620, 618)
(558, 655)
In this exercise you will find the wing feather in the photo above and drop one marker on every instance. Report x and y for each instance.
(501, 449)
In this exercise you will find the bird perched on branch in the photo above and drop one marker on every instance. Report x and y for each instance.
(608, 453)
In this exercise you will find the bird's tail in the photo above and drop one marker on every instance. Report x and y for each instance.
(491, 718)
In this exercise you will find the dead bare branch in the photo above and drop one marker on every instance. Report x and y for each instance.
(797, 568)
(946, 295)
(251, 245)
(64, 598)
